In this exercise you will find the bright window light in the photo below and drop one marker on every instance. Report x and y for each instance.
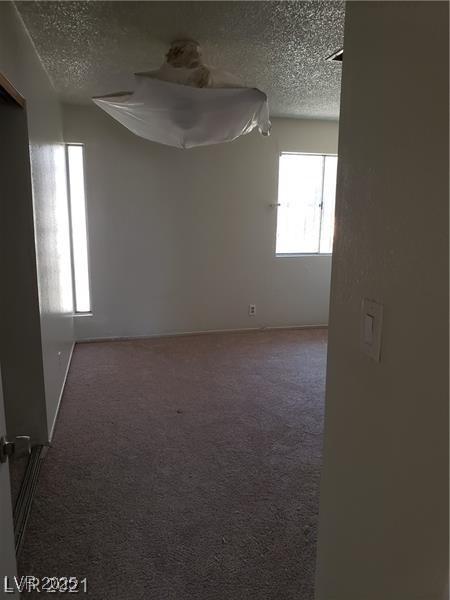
(78, 226)
(306, 198)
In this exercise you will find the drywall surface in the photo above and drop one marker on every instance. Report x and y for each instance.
(185, 240)
(384, 498)
(19, 63)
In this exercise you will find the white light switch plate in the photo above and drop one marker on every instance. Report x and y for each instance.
(371, 328)
(368, 328)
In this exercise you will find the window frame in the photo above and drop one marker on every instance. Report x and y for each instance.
(301, 254)
(75, 312)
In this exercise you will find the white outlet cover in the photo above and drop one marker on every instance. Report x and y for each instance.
(371, 328)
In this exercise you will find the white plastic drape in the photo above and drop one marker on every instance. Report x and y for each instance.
(184, 116)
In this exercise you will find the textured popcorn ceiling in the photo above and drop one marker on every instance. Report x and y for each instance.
(93, 48)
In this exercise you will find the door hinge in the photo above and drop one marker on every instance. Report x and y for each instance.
(21, 446)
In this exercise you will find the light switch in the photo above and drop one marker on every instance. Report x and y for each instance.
(371, 328)
(368, 329)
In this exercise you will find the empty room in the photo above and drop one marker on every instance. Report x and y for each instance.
(224, 326)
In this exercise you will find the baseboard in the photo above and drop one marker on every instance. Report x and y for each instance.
(202, 332)
(61, 392)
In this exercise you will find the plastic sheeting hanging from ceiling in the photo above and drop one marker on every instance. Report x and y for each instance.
(186, 103)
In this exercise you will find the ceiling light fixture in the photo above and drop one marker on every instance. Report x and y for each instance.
(186, 103)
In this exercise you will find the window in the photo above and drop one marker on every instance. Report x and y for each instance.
(306, 197)
(78, 227)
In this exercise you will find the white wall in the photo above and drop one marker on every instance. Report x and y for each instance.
(384, 499)
(184, 240)
(20, 64)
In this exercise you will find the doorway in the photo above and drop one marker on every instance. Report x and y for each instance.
(20, 335)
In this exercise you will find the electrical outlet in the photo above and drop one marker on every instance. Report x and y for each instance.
(251, 310)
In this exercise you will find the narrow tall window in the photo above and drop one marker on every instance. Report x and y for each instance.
(306, 198)
(75, 168)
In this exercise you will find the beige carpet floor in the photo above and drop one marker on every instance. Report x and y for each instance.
(185, 468)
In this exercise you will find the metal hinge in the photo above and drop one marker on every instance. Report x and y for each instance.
(21, 446)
